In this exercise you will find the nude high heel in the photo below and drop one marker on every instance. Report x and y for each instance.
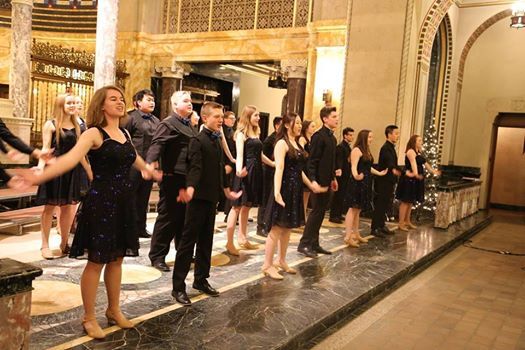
(118, 319)
(272, 273)
(285, 268)
(92, 328)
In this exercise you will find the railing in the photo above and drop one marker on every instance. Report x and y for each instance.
(193, 16)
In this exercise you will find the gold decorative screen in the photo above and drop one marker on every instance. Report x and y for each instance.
(194, 16)
(233, 15)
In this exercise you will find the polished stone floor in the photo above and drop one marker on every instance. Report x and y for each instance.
(252, 312)
(470, 299)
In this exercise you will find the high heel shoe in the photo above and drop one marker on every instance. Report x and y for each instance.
(351, 243)
(285, 268)
(402, 228)
(248, 246)
(92, 328)
(47, 253)
(272, 273)
(233, 251)
(118, 319)
(411, 225)
(362, 239)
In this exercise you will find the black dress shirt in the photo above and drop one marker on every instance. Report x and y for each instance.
(321, 163)
(388, 160)
(170, 144)
(228, 134)
(13, 141)
(341, 155)
(206, 166)
(141, 127)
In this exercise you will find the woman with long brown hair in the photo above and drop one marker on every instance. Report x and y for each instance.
(106, 230)
(60, 134)
(411, 187)
(248, 178)
(359, 190)
(307, 130)
(285, 207)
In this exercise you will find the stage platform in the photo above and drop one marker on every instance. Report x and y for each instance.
(253, 312)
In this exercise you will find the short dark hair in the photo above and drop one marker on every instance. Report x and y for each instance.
(347, 130)
(276, 121)
(390, 129)
(325, 112)
(139, 95)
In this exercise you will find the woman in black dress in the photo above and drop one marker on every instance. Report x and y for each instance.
(248, 178)
(307, 130)
(359, 190)
(106, 229)
(285, 208)
(60, 134)
(411, 187)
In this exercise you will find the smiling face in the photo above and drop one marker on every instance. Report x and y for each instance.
(254, 119)
(114, 105)
(70, 105)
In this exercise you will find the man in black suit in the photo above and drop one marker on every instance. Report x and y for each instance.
(342, 173)
(268, 172)
(384, 185)
(170, 145)
(204, 182)
(320, 170)
(228, 132)
(141, 125)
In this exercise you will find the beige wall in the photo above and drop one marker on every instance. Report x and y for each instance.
(490, 86)
(254, 90)
(508, 186)
(332, 9)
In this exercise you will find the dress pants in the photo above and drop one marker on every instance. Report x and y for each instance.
(384, 196)
(267, 190)
(310, 236)
(142, 191)
(170, 219)
(337, 208)
(198, 230)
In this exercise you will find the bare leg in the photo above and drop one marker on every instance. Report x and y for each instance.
(113, 280)
(306, 197)
(230, 229)
(349, 224)
(402, 213)
(271, 243)
(243, 225)
(284, 239)
(357, 213)
(88, 288)
(45, 223)
(67, 215)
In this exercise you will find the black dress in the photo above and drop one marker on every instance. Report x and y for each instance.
(410, 189)
(84, 181)
(106, 226)
(359, 193)
(292, 215)
(65, 189)
(251, 185)
(307, 152)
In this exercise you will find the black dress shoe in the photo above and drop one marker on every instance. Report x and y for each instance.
(161, 266)
(307, 252)
(145, 234)
(321, 250)
(205, 287)
(336, 220)
(250, 219)
(377, 233)
(262, 232)
(387, 231)
(181, 297)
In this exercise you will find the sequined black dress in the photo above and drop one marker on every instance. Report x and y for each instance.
(106, 228)
(359, 193)
(411, 189)
(65, 189)
(251, 184)
(292, 215)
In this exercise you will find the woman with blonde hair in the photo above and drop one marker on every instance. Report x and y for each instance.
(248, 178)
(106, 230)
(60, 134)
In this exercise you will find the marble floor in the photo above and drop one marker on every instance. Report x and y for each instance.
(252, 312)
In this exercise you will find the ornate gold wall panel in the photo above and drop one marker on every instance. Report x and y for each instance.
(233, 15)
(194, 16)
(275, 14)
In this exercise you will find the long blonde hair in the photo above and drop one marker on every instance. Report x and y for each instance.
(59, 115)
(95, 115)
(245, 126)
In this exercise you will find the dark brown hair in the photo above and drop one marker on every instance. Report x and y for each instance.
(95, 114)
(411, 144)
(361, 142)
(282, 133)
(325, 112)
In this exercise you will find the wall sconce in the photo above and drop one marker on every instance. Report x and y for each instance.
(327, 97)
(518, 15)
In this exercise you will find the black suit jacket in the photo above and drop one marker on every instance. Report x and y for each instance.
(228, 134)
(170, 144)
(321, 162)
(13, 141)
(387, 160)
(141, 129)
(205, 166)
(342, 153)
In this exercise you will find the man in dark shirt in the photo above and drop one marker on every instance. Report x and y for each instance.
(320, 169)
(384, 185)
(228, 132)
(141, 125)
(170, 145)
(342, 173)
(205, 180)
(268, 146)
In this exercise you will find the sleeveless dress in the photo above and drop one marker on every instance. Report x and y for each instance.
(410, 189)
(359, 193)
(64, 189)
(84, 182)
(251, 184)
(106, 228)
(292, 215)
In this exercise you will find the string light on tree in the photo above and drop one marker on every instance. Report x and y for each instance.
(430, 145)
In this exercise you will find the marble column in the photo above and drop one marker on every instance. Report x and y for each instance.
(296, 90)
(106, 46)
(171, 77)
(20, 74)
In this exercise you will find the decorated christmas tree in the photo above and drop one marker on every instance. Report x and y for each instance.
(431, 153)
